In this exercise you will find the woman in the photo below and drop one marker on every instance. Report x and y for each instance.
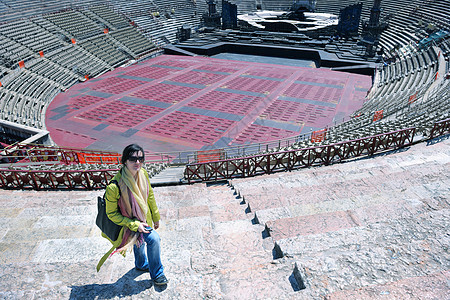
(131, 204)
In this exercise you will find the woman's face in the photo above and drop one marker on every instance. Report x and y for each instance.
(134, 162)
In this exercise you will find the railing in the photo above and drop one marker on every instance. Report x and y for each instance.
(298, 158)
(39, 153)
(190, 157)
(49, 179)
(440, 128)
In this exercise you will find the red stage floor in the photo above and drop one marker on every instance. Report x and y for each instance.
(177, 103)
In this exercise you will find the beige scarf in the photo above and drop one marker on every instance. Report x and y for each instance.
(133, 205)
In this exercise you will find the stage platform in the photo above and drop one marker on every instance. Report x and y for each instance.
(177, 103)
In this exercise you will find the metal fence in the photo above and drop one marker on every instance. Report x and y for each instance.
(297, 158)
(49, 179)
(243, 166)
(440, 128)
(30, 153)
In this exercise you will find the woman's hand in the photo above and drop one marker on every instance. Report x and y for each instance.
(156, 225)
(142, 227)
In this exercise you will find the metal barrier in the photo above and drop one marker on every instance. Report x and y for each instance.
(48, 179)
(189, 157)
(440, 128)
(245, 166)
(297, 158)
(39, 153)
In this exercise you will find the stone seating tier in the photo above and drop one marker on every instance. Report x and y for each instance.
(385, 234)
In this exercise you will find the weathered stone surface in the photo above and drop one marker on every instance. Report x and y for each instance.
(434, 286)
(193, 211)
(228, 212)
(400, 208)
(377, 253)
(313, 224)
(263, 216)
(68, 250)
(366, 229)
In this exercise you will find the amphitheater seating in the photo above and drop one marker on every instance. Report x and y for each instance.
(166, 17)
(6, 103)
(79, 61)
(52, 62)
(107, 14)
(105, 49)
(25, 97)
(395, 85)
(49, 37)
(145, 22)
(3, 8)
(409, 24)
(28, 34)
(340, 224)
(13, 52)
(340, 214)
(334, 6)
(410, 72)
(133, 40)
(277, 5)
(445, 46)
(75, 24)
(402, 90)
(54, 72)
(245, 6)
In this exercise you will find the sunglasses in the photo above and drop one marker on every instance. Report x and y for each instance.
(135, 158)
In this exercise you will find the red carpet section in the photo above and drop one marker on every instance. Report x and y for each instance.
(176, 103)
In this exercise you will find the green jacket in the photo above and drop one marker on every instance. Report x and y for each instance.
(113, 211)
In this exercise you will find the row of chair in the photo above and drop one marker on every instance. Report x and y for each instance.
(105, 49)
(50, 62)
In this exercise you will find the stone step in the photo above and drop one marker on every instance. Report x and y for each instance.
(237, 258)
(374, 228)
(407, 184)
(413, 194)
(313, 224)
(360, 215)
(170, 175)
(219, 241)
(305, 180)
(378, 253)
(433, 286)
(418, 176)
(218, 202)
(223, 246)
(376, 233)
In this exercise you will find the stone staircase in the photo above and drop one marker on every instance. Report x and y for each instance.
(374, 228)
(362, 226)
(221, 247)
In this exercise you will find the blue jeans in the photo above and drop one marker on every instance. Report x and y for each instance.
(152, 259)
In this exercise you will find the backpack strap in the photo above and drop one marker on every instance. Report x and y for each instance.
(116, 183)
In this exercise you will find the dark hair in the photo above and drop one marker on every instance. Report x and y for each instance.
(130, 149)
